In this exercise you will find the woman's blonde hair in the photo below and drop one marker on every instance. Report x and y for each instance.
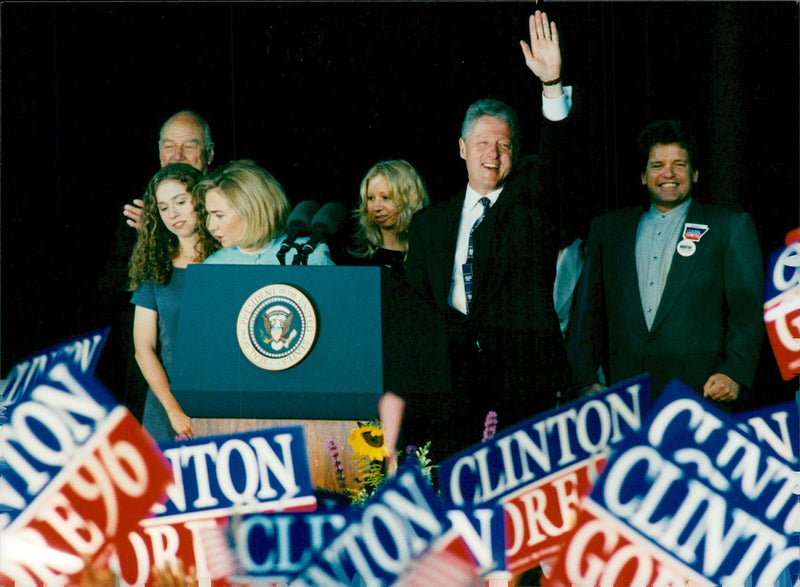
(408, 193)
(255, 195)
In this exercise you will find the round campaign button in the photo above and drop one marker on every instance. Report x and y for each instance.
(686, 248)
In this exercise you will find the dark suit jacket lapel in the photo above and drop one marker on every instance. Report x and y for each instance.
(681, 268)
(448, 235)
(630, 298)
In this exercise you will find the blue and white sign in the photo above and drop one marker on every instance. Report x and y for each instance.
(257, 471)
(703, 493)
(544, 445)
(394, 528)
(51, 406)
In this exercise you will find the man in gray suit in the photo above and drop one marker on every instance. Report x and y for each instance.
(674, 289)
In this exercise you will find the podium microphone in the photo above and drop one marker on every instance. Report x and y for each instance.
(325, 223)
(299, 224)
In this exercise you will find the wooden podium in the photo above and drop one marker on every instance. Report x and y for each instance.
(233, 345)
(317, 433)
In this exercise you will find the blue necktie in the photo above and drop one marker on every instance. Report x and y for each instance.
(466, 268)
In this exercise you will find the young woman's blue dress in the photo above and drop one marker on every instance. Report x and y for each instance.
(166, 300)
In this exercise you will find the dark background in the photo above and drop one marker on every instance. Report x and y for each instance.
(318, 92)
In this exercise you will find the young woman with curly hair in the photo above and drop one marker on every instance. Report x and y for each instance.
(172, 235)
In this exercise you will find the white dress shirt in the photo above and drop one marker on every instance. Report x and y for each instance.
(553, 109)
(470, 212)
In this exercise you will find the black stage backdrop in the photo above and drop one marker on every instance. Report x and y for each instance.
(318, 92)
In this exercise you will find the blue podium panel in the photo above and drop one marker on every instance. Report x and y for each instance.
(241, 325)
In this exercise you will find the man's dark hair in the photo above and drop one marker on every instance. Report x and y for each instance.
(666, 132)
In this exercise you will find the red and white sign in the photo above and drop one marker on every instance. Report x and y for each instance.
(782, 305)
(97, 499)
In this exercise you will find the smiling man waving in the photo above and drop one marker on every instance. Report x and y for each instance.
(486, 260)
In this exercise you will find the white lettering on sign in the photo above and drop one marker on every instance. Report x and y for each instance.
(780, 442)
(532, 447)
(788, 258)
(54, 408)
(740, 457)
(27, 559)
(702, 525)
(279, 539)
(597, 555)
(258, 458)
(392, 531)
(81, 352)
(531, 524)
(479, 543)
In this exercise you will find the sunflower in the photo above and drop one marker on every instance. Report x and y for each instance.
(367, 440)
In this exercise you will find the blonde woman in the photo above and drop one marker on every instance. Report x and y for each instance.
(247, 213)
(391, 192)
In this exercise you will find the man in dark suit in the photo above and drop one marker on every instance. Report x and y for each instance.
(494, 283)
(184, 138)
(674, 290)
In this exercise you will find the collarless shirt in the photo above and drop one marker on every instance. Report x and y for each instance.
(656, 238)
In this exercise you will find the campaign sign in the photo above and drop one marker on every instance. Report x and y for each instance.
(777, 427)
(483, 531)
(81, 354)
(255, 471)
(539, 516)
(602, 551)
(216, 477)
(471, 549)
(153, 546)
(689, 498)
(539, 469)
(397, 525)
(278, 546)
(782, 308)
(82, 472)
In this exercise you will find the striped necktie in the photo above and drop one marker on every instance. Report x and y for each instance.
(466, 268)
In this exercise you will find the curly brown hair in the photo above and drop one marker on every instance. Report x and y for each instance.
(156, 246)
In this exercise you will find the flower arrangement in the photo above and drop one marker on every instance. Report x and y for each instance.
(372, 461)
(370, 456)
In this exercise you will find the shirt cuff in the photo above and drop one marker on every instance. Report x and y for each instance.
(556, 109)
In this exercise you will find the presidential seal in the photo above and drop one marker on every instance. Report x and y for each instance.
(277, 327)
